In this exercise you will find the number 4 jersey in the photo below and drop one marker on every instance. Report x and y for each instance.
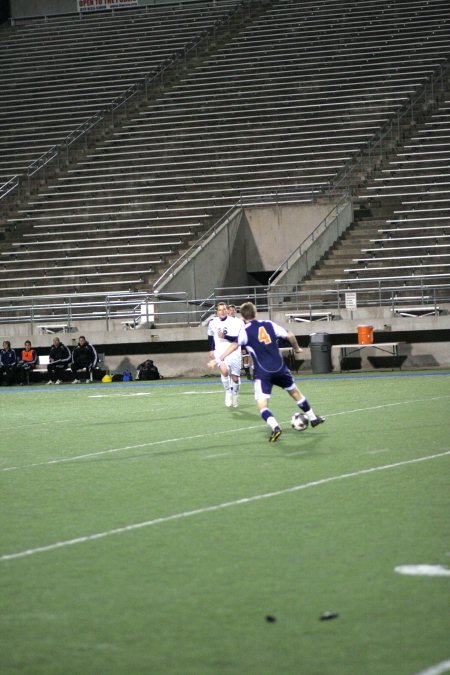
(260, 339)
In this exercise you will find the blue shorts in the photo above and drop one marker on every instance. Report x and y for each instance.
(264, 382)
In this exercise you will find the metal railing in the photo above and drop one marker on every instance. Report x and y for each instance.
(115, 311)
(252, 197)
(308, 252)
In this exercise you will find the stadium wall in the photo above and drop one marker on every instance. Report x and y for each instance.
(183, 351)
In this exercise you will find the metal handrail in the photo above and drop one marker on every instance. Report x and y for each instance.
(178, 308)
(245, 199)
(9, 186)
(312, 236)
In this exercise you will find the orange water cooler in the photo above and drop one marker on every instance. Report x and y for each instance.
(365, 335)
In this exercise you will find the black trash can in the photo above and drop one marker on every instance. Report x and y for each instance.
(320, 346)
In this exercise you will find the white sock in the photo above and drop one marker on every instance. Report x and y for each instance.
(226, 382)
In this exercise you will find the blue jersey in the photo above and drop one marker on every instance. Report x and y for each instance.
(260, 339)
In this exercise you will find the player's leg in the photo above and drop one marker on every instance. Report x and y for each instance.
(263, 390)
(51, 370)
(233, 362)
(304, 406)
(226, 381)
(246, 363)
(75, 367)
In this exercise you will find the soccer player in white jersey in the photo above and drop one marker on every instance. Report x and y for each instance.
(223, 330)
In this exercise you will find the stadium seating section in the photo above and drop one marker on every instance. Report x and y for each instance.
(286, 98)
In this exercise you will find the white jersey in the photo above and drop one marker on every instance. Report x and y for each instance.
(228, 326)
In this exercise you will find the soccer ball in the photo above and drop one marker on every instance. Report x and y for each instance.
(299, 422)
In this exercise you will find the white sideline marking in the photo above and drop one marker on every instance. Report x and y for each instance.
(34, 424)
(139, 393)
(221, 454)
(196, 393)
(423, 570)
(438, 669)
(214, 507)
(165, 441)
(76, 458)
(376, 452)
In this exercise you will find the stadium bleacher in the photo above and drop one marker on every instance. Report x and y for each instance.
(284, 104)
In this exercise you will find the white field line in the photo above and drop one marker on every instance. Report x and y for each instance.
(35, 424)
(438, 669)
(125, 448)
(215, 507)
(90, 455)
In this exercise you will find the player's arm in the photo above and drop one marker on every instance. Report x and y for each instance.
(290, 337)
(229, 350)
(211, 345)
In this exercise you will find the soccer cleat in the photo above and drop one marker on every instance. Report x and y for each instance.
(234, 400)
(318, 420)
(58, 382)
(50, 382)
(275, 435)
(75, 381)
(228, 399)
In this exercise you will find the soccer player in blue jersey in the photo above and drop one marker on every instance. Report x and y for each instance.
(260, 339)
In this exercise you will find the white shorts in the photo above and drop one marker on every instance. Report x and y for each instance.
(233, 361)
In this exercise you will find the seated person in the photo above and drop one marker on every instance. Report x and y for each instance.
(8, 363)
(59, 361)
(27, 362)
(84, 357)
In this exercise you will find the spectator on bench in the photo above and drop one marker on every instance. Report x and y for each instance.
(84, 357)
(27, 362)
(8, 363)
(59, 360)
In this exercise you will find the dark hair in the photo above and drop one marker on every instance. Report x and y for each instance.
(248, 311)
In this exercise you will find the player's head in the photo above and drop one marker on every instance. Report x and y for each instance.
(221, 309)
(81, 340)
(27, 344)
(56, 341)
(248, 311)
(6, 345)
(231, 309)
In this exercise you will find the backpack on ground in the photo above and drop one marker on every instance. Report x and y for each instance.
(147, 371)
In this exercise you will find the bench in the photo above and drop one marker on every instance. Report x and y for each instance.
(420, 310)
(52, 328)
(352, 350)
(44, 359)
(308, 317)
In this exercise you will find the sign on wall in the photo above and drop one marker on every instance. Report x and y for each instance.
(98, 5)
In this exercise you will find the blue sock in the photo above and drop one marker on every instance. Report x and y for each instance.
(304, 405)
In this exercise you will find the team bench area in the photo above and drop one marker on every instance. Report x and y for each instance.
(383, 354)
(40, 371)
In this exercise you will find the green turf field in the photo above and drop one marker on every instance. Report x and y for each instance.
(147, 529)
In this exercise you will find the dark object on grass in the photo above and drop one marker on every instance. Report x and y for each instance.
(147, 371)
(328, 615)
(270, 618)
